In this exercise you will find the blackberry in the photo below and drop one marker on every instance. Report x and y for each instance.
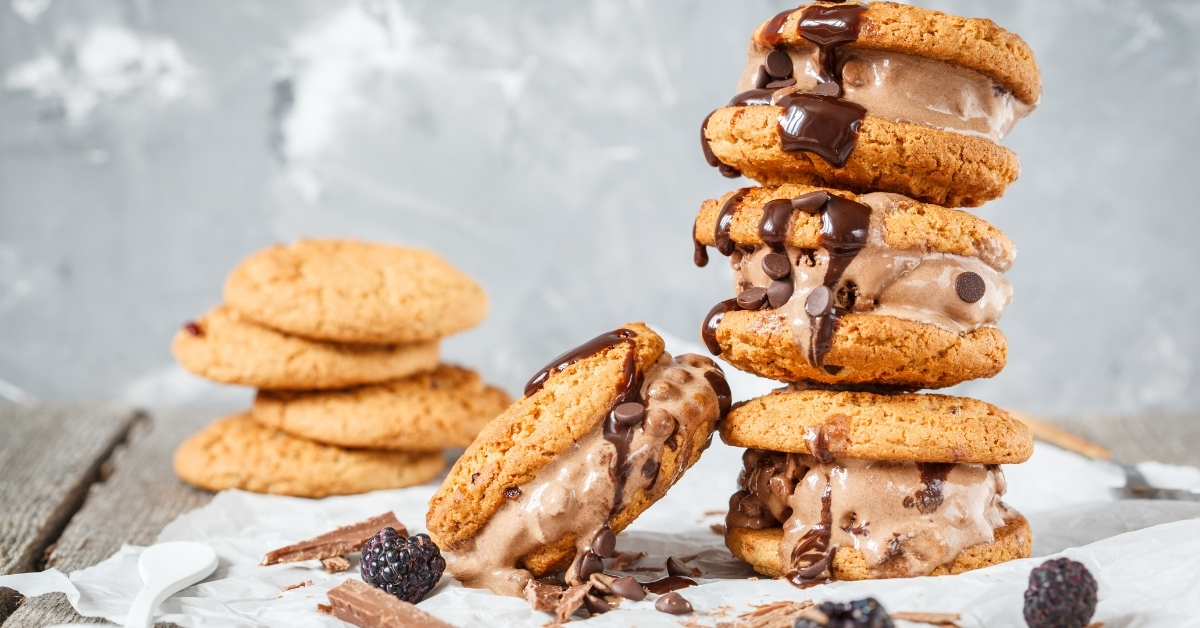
(1061, 594)
(407, 568)
(865, 613)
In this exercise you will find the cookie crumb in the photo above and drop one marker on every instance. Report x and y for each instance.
(334, 564)
(945, 620)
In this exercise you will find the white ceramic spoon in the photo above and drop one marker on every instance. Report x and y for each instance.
(168, 568)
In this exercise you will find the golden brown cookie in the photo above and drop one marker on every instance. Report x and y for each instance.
(974, 43)
(566, 410)
(227, 347)
(904, 427)
(426, 412)
(907, 224)
(352, 291)
(870, 349)
(760, 548)
(237, 452)
(930, 165)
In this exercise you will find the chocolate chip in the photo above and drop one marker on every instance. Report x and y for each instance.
(673, 603)
(761, 78)
(194, 329)
(512, 492)
(812, 202)
(819, 301)
(595, 605)
(781, 84)
(675, 567)
(833, 369)
(778, 64)
(628, 588)
(752, 298)
(605, 543)
(776, 265)
(779, 292)
(970, 287)
(629, 413)
(729, 172)
(827, 89)
(589, 565)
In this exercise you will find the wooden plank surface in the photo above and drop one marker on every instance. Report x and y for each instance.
(49, 455)
(137, 497)
(1173, 439)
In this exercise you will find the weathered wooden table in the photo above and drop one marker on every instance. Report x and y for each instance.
(79, 480)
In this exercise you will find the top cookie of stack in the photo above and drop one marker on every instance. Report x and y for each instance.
(325, 314)
(878, 97)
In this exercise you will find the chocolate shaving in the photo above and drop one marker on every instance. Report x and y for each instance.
(946, 620)
(776, 615)
(363, 605)
(621, 560)
(325, 608)
(718, 528)
(306, 583)
(344, 540)
(543, 596)
(571, 601)
(335, 564)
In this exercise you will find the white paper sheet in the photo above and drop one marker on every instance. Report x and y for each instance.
(1146, 565)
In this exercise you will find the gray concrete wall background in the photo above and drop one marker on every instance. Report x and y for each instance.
(550, 150)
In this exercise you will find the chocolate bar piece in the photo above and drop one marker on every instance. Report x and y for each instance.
(363, 605)
(344, 540)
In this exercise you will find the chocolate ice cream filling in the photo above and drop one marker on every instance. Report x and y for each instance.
(899, 88)
(575, 497)
(906, 518)
(855, 270)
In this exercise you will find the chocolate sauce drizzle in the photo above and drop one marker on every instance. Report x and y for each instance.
(772, 32)
(708, 330)
(844, 228)
(721, 237)
(823, 125)
(724, 169)
(812, 555)
(699, 252)
(933, 476)
(620, 435)
(820, 122)
(600, 343)
(829, 27)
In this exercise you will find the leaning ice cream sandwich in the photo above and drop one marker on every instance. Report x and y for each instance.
(847, 289)
(878, 96)
(601, 434)
(852, 486)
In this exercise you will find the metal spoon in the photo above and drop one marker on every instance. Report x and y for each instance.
(168, 568)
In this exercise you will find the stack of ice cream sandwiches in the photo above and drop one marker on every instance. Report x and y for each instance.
(341, 338)
(857, 285)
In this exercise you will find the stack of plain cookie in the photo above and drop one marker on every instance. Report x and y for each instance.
(341, 339)
(856, 285)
